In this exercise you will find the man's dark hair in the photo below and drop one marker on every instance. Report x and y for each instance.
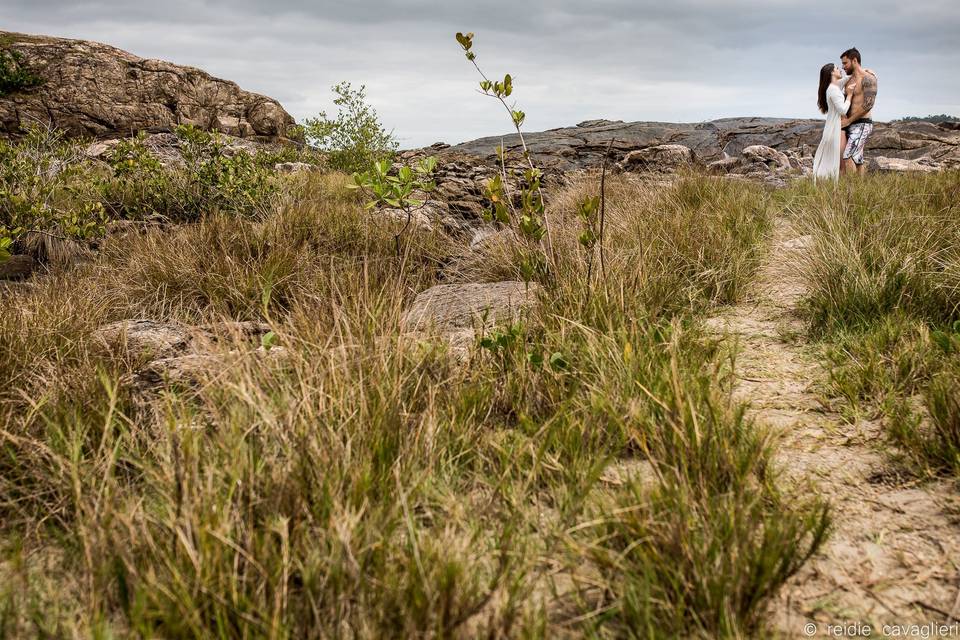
(852, 54)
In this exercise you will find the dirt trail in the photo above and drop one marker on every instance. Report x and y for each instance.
(894, 552)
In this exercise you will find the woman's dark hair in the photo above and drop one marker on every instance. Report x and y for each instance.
(826, 77)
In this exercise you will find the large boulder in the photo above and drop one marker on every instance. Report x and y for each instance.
(456, 312)
(664, 157)
(92, 89)
(769, 156)
(900, 165)
(457, 307)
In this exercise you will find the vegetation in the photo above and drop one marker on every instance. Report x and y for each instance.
(14, 74)
(934, 119)
(584, 471)
(355, 139)
(49, 189)
(885, 297)
(370, 484)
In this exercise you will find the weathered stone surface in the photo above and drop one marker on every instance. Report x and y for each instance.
(881, 163)
(662, 157)
(17, 267)
(158, 340)
(144, 337)
(458, 307)
(92, 89)
(766, 155)
(583, 146)
(192, 368)
(294, 167)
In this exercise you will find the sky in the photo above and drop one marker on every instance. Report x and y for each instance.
(667, 60)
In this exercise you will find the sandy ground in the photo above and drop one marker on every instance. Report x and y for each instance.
(892, 557)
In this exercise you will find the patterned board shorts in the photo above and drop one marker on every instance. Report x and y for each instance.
(857, 135)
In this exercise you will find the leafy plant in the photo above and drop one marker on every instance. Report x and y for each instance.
(212, 177)
(44, 188)
(529, 218)
(355, 139)
(398, 189)
(14, 75)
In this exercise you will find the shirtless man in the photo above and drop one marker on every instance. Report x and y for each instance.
(857, 125)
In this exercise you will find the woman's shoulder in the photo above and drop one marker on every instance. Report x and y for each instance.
(834, 89)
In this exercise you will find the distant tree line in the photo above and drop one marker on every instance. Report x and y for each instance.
(934, 119)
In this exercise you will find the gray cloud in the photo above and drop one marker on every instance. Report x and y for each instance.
(680, 60)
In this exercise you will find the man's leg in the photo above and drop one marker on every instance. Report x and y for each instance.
(860, 148)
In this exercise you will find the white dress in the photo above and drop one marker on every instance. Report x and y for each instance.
(826, 162)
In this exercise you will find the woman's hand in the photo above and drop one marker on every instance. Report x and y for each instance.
(850, 88)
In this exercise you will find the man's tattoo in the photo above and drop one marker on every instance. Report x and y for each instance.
(869, 85)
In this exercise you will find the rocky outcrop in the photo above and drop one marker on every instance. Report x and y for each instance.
(662, 157)
(456, 312)
(583, 146)
(455, 307)
(92, 89)
(900, 165)
(152, 339)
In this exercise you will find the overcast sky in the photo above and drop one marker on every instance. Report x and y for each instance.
(671, 60)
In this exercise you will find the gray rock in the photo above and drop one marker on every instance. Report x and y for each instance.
(766, 155)
(294, 167)
(144, 338)
(663, 157)
(155, 339)
(900, 165)
(457, 307)
(583, 146)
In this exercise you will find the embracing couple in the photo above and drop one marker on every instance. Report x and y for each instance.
(847, 98)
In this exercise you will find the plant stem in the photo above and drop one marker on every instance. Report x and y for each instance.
(603, 211)
(526, 155)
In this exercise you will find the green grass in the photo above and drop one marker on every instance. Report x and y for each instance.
(884, 297)
(369, 485)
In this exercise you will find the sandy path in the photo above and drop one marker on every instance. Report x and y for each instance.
(894, 551)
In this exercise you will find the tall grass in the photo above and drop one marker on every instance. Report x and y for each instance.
(366, 484)
(884, 283)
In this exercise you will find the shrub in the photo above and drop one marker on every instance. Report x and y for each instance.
(211, 178)
(355, 139)
(14, 75)
(45, 188)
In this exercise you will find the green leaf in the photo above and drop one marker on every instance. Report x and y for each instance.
(268, 339)
(465, 40)
(558, 362)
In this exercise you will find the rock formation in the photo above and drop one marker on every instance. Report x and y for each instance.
(95, 90)
(583, 146)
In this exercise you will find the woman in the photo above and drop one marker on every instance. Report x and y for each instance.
(830, 99)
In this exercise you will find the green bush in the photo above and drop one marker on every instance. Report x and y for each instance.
(210, 178)
(46, 188)
(355, 139)
(14, 76)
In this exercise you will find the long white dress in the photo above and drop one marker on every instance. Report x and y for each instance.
(826, 162)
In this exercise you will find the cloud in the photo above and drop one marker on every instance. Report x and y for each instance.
(684, 60)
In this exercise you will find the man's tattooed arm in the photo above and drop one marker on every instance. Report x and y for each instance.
(869, 85)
